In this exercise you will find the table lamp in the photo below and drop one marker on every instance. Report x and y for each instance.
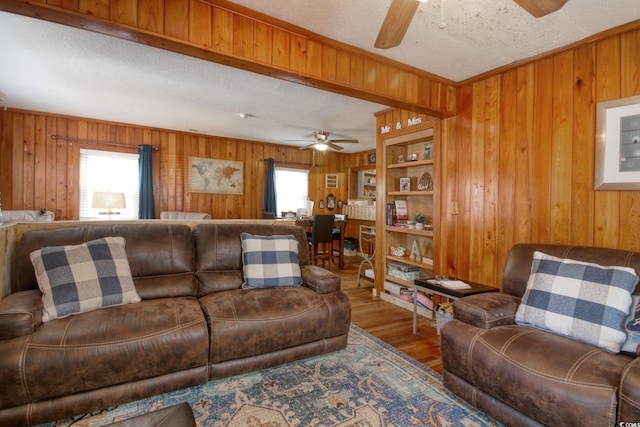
(108, 200)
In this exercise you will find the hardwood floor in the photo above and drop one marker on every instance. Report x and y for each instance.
(388, 322)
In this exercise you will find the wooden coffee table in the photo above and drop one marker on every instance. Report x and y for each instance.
(431, 286)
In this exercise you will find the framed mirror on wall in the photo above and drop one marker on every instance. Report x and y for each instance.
(331, 202)
(617, 162)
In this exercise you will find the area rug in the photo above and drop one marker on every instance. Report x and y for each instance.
(368, 384)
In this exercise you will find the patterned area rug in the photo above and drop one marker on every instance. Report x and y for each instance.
(368, 384)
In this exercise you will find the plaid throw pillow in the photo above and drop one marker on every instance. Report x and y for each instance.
(584, 301)
(80, 278)
(270, 261)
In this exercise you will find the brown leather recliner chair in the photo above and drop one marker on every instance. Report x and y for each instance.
(525, 376)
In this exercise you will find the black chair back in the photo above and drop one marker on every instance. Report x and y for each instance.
(322, 230)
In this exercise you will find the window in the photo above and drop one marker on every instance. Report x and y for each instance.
(292, 189)
(108, 171)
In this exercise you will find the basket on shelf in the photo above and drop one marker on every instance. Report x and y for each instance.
(425, 182)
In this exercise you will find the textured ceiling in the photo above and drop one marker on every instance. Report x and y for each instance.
(52, 68)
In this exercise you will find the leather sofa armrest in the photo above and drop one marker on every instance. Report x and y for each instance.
(486, 310)
(20, 314)
(629, 409)
(319, 279)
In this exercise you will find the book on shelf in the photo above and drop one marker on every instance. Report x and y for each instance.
(391, 213)
(402, 214)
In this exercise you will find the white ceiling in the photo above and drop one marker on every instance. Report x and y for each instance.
(52, 68)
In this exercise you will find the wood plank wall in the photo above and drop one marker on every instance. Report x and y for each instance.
(224, 32)
(40, 172)
(519, 158)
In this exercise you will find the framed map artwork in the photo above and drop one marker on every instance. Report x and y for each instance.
(215, 176)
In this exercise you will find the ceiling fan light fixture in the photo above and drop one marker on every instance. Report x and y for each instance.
(423, 1)
(321, 146)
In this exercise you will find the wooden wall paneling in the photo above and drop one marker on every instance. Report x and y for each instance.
(524, 172)
(630, 86)
(542, 136)
(50, 167)
(343, 67)
(151, 15)
(99, 8)
(61, 168)
(357, 72)
(281, 48)
(465, 120)
(263, 42)
(199, 24)
(298, 52)
(28, 196)
(6, 159)
(491, 178)
(476, 180)
(124, 12)
(72, 177)
(506, 172)
(17, 158)
(369, 75)
(314, 58)
(176, 13)
(329, 63)
(445, 255)
(224, 29)
(243, 43)
(607, 203)
(561, 148)
(40, 158)
(583, 156)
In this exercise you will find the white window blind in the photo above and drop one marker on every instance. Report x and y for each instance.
(108, 171)
(292, 189)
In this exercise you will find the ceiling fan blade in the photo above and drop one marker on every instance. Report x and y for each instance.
(334, 146)
(540, 8)
(345, 141)
(396, 23)
(307, 146)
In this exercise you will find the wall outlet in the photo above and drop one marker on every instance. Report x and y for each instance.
(454, 208)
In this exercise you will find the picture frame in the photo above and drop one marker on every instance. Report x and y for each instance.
(331, 202)
(427, 151)
(405, 184)
(617, 156)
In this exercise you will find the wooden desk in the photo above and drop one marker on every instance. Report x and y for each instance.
(308, 224)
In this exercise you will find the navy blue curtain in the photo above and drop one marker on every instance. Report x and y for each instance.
(145, 177)
(269, 203)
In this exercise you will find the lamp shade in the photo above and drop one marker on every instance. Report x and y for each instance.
(107, 200)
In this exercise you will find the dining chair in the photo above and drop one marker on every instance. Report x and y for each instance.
(321, 236)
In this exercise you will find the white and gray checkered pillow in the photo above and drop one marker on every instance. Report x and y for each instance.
(80, 278)
(270, 261)
(584, 301)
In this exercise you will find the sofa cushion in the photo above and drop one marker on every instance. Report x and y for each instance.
(80, 278)
(584, 301)
(270, 261)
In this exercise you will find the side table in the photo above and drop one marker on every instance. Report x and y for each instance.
(432, 286)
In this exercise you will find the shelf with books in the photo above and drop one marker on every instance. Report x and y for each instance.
(410, 188)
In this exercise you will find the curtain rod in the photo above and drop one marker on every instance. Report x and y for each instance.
(93, 141)
(286, 162)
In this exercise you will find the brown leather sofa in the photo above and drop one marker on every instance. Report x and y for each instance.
(524, 376)
(194, 323)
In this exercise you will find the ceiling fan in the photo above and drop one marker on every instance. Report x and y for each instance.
(401, 13)
(322, 142)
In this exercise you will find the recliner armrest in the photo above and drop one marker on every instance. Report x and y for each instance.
(629, 409)
(319, 279)
(486, 310)
(20, 314)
